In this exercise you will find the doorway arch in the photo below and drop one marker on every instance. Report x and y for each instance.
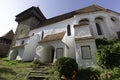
(49, 53)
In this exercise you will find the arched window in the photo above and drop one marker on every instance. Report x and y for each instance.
(99, 31)
(68, 30)
(84, 22)
(114, 19)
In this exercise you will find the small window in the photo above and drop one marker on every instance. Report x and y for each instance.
(32, 34)
(59, 52)
(68, 30)
(112, 19)
(22, 42)
(42, 35)
(99, 31)
(86, 52)
(21, 30)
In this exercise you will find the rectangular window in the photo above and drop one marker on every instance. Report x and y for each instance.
(59, 52)
(86, 52)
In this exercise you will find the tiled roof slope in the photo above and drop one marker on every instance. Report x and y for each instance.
(92, 8)
(9, 35)
(53, 37)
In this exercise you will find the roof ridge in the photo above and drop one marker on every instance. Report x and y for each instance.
(8, 35)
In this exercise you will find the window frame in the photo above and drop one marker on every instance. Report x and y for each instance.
(90, 55)
(68, 30)
(22, 42)
(99, 29)
(57, 52)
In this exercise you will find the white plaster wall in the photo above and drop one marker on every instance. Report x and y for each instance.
(106, 25)
(12, 54)
(20, 54)
(104, 29)
(53, 28)
(45, 57)
(30, 48)
(82, 31)
(18, 42)
(114, 25)
(61, 26)
(85, 62)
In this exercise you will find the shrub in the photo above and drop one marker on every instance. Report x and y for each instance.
(66, 66)
(88, 74)
(116, 73)
(36, 63)
(108, 56)
(102, 42)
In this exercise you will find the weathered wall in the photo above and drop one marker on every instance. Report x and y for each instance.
(85, 62)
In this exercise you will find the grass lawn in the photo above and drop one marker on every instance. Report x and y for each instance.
(18, 70)
(14, 70)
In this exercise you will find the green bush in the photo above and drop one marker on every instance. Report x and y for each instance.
(108, 56)
(116, 73)
(65, 66)
(102, 42)
(88, 74)
(108, 74)
(36, 63)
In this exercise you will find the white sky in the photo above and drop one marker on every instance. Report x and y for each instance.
(8, 10)
(50, 8)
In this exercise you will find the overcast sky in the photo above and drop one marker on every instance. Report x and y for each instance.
(50, 8)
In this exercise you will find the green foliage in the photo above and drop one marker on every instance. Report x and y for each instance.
(65, 66)
(116, 73)
(53, 74)
(36, 63)
(14, 70)
(100, 42)
(104, 42)
(113, 74)
(108, 54)
(88, 74)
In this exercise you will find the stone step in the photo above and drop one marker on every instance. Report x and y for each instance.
(38, 78)
(39, 73)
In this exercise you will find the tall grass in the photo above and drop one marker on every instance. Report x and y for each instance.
(14, 70)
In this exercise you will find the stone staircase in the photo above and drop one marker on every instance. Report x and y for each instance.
(39, 73)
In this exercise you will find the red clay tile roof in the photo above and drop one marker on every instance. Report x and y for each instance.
(53, 37)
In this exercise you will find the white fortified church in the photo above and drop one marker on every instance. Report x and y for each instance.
(69, 35)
